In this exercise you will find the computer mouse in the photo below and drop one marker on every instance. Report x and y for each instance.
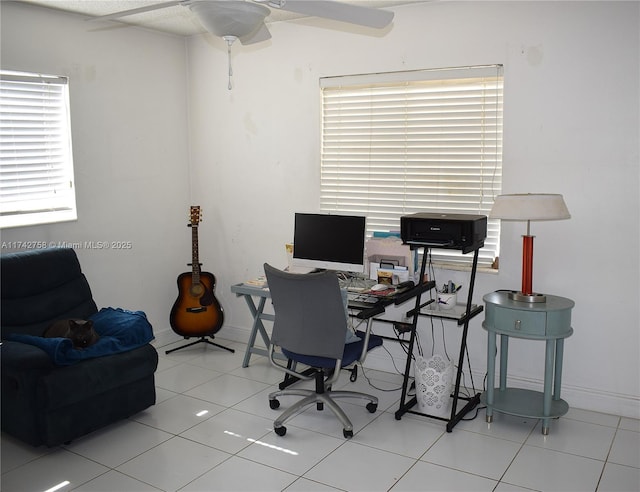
(379, 287)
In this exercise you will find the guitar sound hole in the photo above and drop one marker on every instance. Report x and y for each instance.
(197, 290)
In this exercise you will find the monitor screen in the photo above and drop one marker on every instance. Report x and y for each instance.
(331, 242)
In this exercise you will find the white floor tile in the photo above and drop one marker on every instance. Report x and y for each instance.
(127, 439)
(215, 358)
(630, 424)
(618, 478)
(163, 394)
(183, 377)
(325, 421)
(626, 448)
(50, 470)
(295, 453)
(473, 453)
(305, 485)
(360, 468)
(230, 430)
(165, 363)
(507, 487)
(429, 477)
(592, 417)
(237, 474)
(14, 453)
(544, 469)
(504, 426)
(408, 437)
(173, 464)
(575, 437)
(227, 390)
(261, 370)
(114, 480)
(258, 404)
(178, 414)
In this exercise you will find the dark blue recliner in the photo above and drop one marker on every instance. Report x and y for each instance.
(50, 404)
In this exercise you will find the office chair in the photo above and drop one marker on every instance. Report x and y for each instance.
(310, 328)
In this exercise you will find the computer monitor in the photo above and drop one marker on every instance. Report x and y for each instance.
(331, 242)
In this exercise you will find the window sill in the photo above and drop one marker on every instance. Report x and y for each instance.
(32, 219)
(463, 268)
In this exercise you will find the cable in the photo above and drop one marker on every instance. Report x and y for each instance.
(376, 387)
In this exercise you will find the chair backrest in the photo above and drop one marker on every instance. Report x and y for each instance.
(309, 312)
(41, 286)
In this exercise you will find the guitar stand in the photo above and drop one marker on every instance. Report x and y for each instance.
(201, 340)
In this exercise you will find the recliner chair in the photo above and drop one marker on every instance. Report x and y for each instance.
(310, 328)
(47, 403)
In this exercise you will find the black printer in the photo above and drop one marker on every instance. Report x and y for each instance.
(449, 231)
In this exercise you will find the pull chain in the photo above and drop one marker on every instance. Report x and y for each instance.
(229, 40)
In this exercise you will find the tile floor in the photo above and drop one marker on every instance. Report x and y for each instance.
(211, 430)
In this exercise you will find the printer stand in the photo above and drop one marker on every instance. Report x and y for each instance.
(406, 405)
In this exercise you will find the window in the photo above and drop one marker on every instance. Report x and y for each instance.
(36, 164)
(425, 141)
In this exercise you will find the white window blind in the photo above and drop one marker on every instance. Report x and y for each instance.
(36, 165)
(424, 141)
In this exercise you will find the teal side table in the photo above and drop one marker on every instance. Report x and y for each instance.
(549, 321)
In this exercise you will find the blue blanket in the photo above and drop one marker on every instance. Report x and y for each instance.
(120, 331)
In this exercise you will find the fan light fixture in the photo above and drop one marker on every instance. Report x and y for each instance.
(237, 19)
(529, 206)
(233, 21)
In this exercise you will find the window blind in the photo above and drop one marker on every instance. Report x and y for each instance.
(405, 142)
(36, 167)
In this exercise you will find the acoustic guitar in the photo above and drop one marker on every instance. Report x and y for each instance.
(196, 312)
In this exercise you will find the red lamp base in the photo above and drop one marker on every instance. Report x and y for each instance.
(527, 294)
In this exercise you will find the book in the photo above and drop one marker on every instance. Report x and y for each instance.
(260, 281)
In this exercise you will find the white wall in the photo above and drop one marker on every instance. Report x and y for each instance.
(150, 114)
(128, 92)
(571, 127)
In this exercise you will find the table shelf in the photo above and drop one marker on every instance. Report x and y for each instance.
(525, 403)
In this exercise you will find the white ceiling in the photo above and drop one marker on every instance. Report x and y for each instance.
(176, 19)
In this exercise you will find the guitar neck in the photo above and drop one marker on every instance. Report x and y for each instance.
(195, 261)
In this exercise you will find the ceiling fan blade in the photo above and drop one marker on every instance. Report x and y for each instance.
(139, 10)
(262, 34)
(328, 9)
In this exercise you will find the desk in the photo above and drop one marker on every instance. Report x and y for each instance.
(549, 321)
(249, 292)
(252, 294)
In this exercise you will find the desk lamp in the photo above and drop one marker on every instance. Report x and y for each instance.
(529, 206)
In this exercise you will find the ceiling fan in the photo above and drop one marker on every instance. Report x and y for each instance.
(243, 20)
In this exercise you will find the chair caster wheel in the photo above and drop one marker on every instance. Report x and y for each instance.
(348, 434)
(273, 404)
(372, 407)
(281, 431)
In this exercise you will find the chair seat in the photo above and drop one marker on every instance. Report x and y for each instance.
(352, 352)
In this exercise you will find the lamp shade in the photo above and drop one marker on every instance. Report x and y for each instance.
(529, 206)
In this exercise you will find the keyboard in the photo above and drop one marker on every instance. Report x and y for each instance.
(356, 285)
(356, 297)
